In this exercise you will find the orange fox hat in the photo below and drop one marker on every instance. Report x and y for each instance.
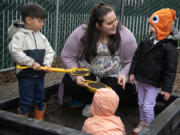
(162, 20)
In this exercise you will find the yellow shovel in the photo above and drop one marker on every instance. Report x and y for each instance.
(74, 71)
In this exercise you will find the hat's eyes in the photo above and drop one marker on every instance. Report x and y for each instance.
(155, 19)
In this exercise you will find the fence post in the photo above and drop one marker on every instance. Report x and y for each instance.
(56, 26)
(122, 11)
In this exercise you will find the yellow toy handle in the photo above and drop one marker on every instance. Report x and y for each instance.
(18, 66)
(74, 71)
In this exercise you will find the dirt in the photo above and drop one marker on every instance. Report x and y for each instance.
(72, 117)
(9, 83)
(97, 85)
(63, 115)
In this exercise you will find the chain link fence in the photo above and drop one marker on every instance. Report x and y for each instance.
(63, 16)
(10, 10)
(137, 12)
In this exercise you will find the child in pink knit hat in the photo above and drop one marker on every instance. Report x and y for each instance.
(104, 122)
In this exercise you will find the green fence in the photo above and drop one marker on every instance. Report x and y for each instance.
(71, 13)
(137, 12)
(10, 10)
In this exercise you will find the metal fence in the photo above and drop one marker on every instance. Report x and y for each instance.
(63, 16)
(10, 10)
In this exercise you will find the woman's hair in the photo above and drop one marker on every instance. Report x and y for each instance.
(32, 10)
(92, 34)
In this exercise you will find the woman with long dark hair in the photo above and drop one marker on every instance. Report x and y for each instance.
(105, 47)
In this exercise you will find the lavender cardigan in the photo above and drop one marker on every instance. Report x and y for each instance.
(73, 48)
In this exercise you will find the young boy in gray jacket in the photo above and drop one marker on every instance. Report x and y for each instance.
(29, 47)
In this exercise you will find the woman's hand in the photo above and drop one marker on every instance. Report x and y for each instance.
(122, 81)
(80, 80)
(131, 79)
(166, 95)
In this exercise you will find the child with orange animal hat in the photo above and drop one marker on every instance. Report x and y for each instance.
(154, 64)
